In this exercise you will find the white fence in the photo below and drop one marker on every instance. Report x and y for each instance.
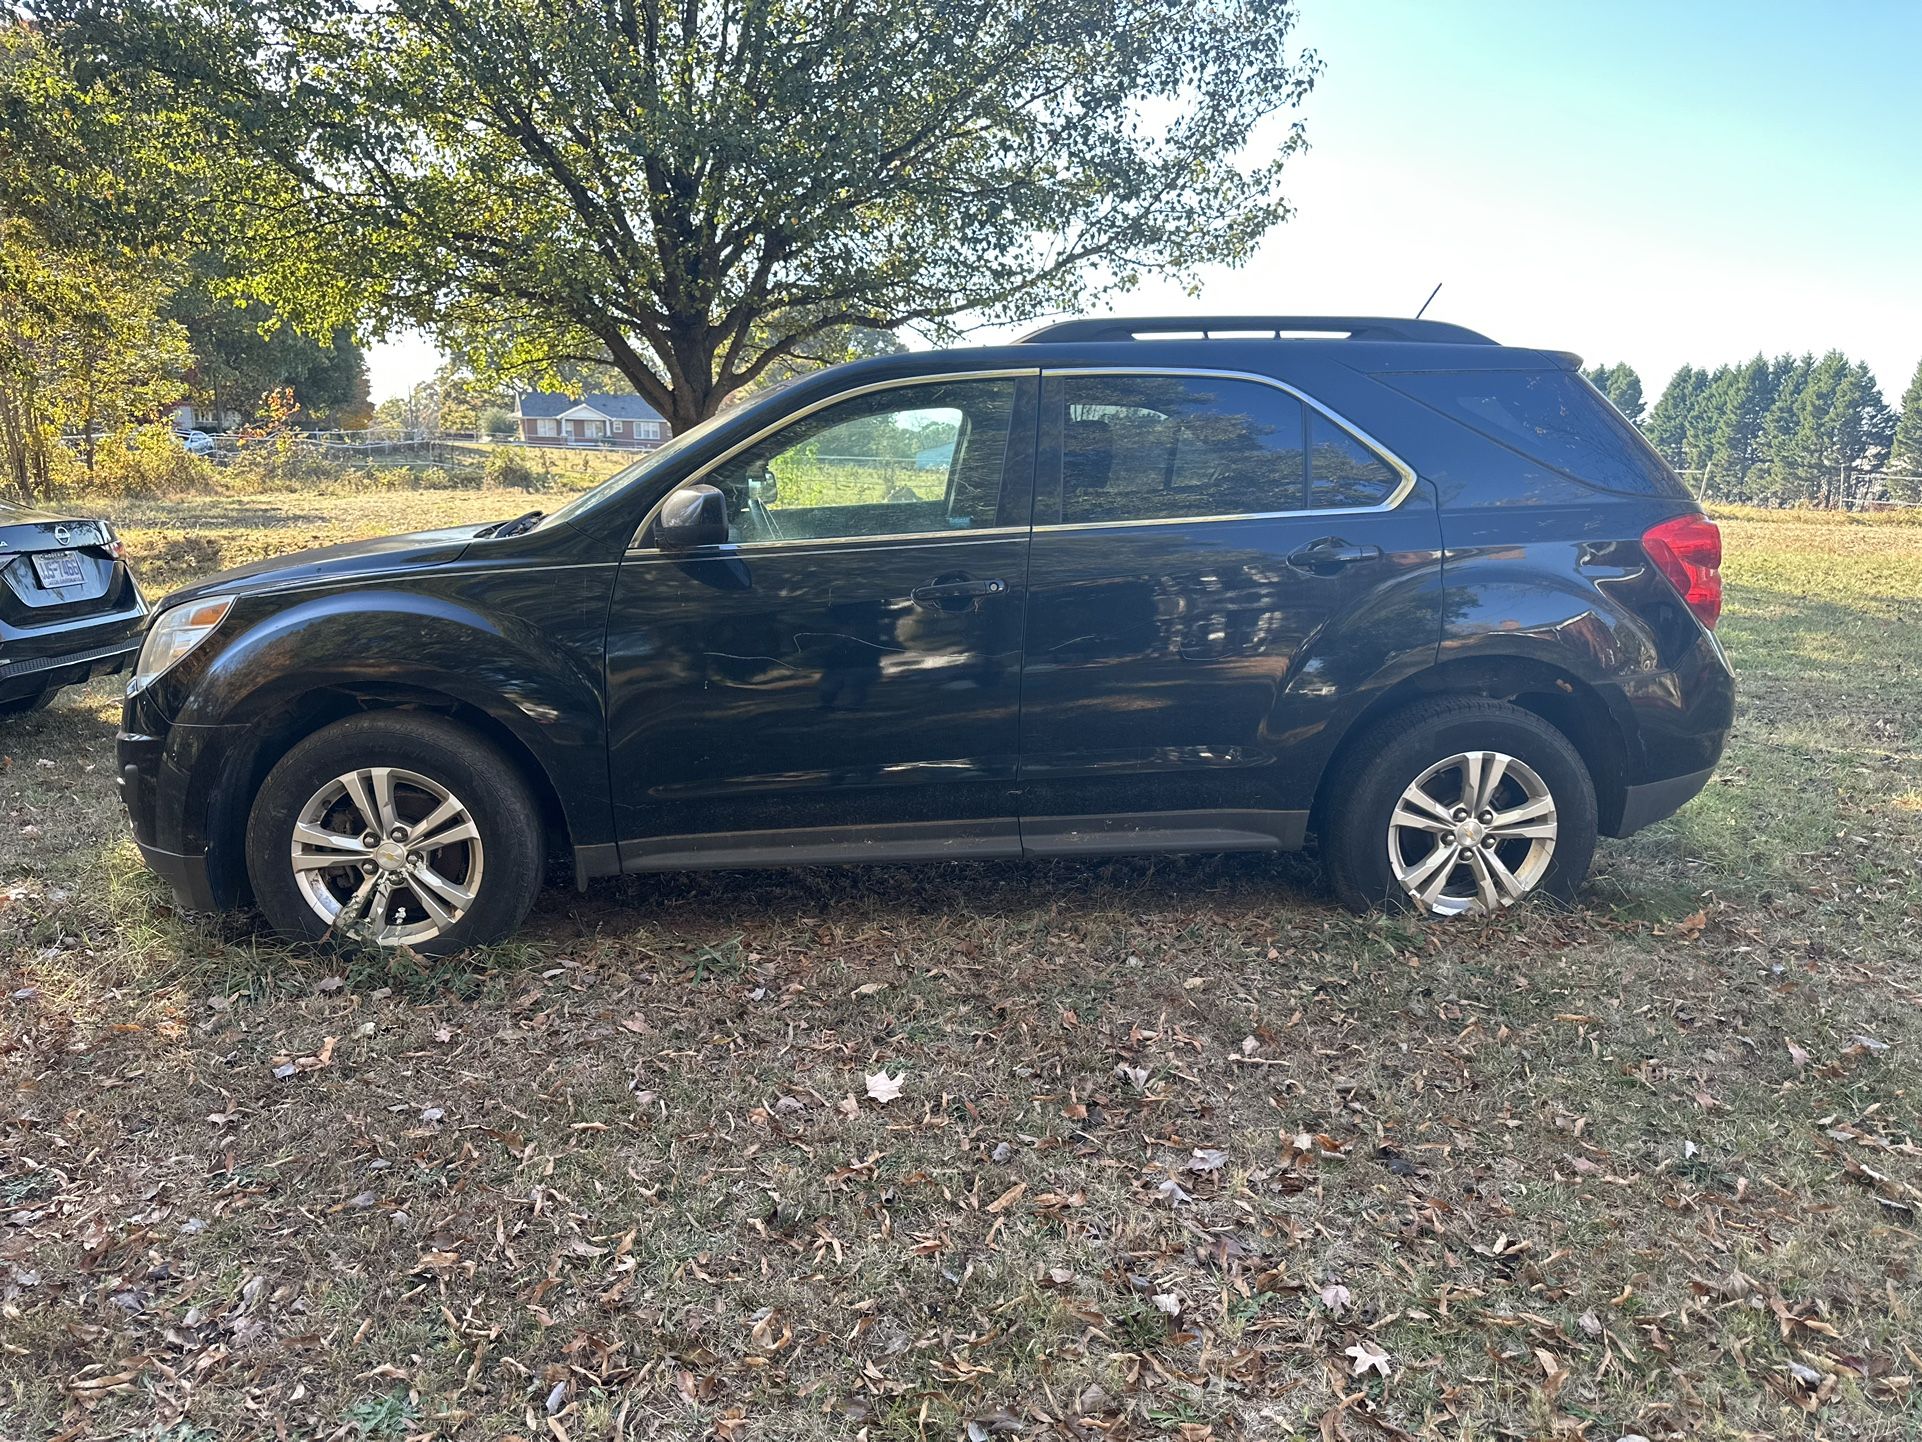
(387, 443)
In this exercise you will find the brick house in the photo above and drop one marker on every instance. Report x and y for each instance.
(547, 418)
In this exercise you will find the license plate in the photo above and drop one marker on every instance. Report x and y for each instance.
(58, 568)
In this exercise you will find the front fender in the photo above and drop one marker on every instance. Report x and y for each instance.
(533, 669)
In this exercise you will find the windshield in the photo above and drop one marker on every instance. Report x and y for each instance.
(627, 475)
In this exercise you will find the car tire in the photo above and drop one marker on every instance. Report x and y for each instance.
(26, 705)
(468, 881)
(1401, 833)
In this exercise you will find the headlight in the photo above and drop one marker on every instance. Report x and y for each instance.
(175, 632)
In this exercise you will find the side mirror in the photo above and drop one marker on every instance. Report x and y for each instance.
(692, 516)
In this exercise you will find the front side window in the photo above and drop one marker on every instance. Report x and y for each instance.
(901, 461)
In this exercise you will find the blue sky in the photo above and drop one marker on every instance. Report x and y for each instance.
(1656, 183)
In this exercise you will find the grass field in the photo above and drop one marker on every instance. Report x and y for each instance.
(1179, 1149)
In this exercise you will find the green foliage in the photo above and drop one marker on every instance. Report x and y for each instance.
(1905, 457)
(1621, 385)
(508, 468)
(243, 352)
(84, 352)
(1792, 431)
(697, 190)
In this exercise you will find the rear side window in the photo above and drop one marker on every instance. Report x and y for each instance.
(1342, 472)
(1145, 448)
(1151, 448)
(1554, 418)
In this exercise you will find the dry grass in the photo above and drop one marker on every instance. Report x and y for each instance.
(1177, 1143)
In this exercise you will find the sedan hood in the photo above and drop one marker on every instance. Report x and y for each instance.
(349, 561)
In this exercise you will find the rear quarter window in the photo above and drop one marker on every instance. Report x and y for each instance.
(1554, 418)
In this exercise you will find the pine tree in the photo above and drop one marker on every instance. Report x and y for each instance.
(1621, 385)
(1905, 455)
(1698, 436)
(1780, 475)
(1624, 391)
(1736, 430)
(1666, 426)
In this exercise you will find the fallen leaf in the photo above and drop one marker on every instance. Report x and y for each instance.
(1008, 1198)
(1368, 1358)
(1334, 1296)
(883, 1088)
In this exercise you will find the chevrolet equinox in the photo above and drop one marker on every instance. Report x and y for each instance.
(1206, 584)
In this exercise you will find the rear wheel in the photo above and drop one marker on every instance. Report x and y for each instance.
(1461, 807)
(21, 705)
(396, 829)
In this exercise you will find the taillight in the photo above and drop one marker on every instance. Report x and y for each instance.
(1688, 550)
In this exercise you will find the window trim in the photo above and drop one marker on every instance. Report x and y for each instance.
(641, 544)
(1395, 462)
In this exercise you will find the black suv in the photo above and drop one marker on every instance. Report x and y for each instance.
(70, 609)
(1113, 589)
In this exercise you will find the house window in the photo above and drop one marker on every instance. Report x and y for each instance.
(547, 428)
(647, 430)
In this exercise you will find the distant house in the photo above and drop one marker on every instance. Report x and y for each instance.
(549, 419)
(189, 417)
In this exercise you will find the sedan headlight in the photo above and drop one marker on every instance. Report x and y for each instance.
(174, 633)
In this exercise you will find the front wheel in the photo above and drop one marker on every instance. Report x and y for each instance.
(398, 829)
(1461, 807)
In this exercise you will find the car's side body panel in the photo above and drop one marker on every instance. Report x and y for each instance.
(1181, 668)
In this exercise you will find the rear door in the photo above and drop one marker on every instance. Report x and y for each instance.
(1219, 568)
(842, 678)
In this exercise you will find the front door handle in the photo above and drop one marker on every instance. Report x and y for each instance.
(955, 593)
(1327, 555)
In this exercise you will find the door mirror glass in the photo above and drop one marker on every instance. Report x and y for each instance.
(692, 516)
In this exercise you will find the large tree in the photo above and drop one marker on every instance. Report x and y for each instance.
(1905, 456)
(697, 189)
(1622, 385)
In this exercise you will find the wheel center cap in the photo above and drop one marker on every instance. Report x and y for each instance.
(391, 855)
(1470, 833)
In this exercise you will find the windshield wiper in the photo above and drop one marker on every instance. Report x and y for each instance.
(513, 527)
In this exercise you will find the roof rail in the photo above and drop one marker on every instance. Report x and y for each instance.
(1354, 327)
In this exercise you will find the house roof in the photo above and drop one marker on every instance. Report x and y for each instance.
(551, 405)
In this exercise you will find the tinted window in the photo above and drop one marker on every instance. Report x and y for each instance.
(1553, 417)
(896, 462)
(1342, 471)
(1141, 448)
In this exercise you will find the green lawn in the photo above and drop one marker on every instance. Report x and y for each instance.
(1178, 1146)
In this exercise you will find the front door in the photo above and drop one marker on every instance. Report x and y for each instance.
(841, 679)
(1217, 569)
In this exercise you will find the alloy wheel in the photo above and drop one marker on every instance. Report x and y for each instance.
(387, 854)
(1472, 834)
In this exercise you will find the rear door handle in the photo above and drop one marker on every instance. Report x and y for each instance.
(955, 593)
(1329, 554)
